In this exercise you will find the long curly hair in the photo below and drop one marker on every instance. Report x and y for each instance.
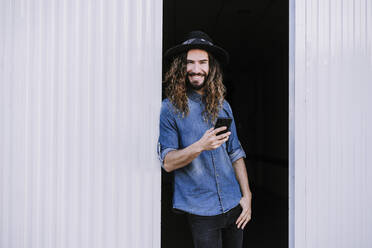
(176, 88)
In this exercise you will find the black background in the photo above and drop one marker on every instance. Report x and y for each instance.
(255, 33)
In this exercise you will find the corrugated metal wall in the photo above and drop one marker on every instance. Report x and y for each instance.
(80, 93)
(331, 160)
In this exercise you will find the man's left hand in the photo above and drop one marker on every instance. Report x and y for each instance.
(245, 216)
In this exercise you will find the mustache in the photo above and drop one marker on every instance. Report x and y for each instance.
(196, 74)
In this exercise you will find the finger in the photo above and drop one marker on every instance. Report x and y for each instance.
(249, 217)
(217, 130)
(224, 135)
(241, 216)
(245, 222)
(219, 142)
(240, 224)
(222, 140)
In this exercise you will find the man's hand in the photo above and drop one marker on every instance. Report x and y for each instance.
(210, 141)
(180, 158)
(245, 216)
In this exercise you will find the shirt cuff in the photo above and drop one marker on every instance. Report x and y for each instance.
(162, 153)
(235, 155)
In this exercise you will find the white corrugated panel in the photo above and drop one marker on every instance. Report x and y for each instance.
(331, 125)
(80, 94)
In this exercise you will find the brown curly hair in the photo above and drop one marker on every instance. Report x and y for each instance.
(176, 87)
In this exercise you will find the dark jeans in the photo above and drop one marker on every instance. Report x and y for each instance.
(217, 231)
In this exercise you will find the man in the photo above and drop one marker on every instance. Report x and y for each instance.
(210, 177)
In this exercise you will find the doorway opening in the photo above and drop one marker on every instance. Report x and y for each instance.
(255, 33)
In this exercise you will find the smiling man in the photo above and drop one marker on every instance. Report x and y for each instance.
(210, 178)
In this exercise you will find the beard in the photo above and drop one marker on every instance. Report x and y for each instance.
(193, 84)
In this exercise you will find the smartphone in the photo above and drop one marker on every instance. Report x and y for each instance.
(223, 122)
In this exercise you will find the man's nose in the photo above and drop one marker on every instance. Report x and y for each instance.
(196, 68)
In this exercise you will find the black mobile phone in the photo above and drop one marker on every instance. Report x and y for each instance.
(223, 122)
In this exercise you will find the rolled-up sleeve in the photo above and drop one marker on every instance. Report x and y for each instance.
(234, 148)
(168, 133)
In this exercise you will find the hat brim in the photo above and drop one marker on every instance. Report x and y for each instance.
(219, 53)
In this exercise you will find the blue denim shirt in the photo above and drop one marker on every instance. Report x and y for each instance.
(207, 186)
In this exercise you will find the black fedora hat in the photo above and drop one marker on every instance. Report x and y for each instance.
(197, 40)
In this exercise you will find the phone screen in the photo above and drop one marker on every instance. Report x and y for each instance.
(223, 122)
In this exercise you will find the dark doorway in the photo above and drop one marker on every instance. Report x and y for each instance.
(255, 33)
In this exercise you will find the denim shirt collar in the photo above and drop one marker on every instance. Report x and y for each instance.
(193, 95)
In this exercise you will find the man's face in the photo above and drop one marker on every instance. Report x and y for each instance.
(197, 68)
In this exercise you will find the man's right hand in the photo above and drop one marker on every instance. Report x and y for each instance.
(179, 158)
(211, 141)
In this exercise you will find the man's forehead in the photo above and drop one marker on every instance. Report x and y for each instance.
(197, 54)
